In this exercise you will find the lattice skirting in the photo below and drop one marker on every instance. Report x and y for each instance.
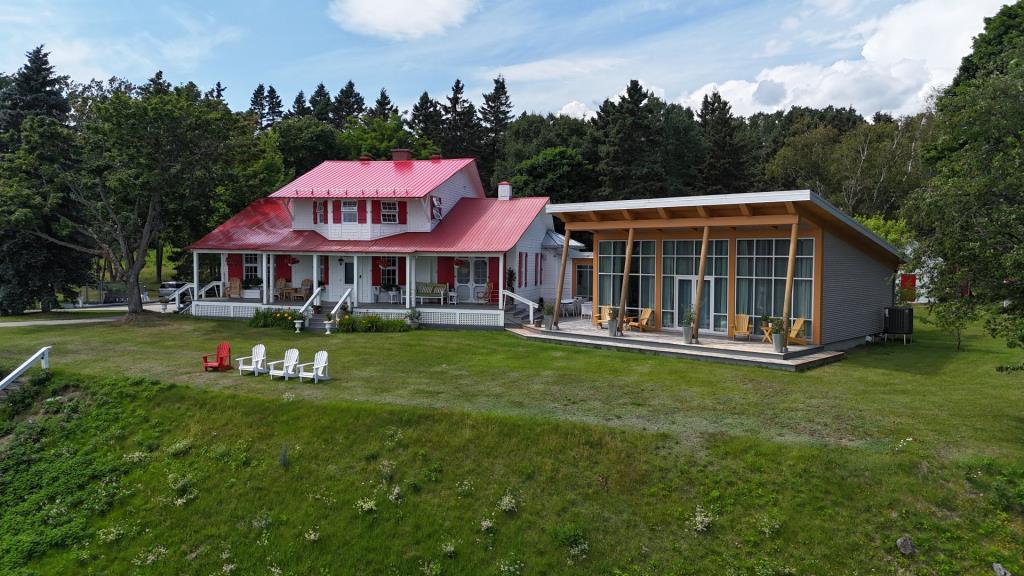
(221, 310)
(449, 317)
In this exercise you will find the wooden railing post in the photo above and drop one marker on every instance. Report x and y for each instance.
(561, 277)
(625, 280)
(700, 283)
(790, 272)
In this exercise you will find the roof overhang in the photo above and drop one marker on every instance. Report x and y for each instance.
(745, 210)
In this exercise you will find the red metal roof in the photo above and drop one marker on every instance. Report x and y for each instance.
(474, 225)
(377, 178)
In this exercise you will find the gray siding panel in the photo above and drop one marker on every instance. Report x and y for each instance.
(855, 290)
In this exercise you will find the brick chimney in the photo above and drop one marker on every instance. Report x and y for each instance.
(401, 154)
(435, 157)
(504, 190)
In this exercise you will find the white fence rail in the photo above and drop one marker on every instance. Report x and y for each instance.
(347, 297)
(43, 356)
(443, 316)
(529, 303)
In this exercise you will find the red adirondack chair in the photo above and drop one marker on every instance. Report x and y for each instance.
(220, 361)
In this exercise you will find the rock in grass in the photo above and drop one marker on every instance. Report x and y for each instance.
(905, 545)
(999, 570)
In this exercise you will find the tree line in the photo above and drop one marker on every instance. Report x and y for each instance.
(104, 171)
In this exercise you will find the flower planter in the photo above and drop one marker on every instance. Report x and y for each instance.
(298, 325)
(778, 343)
(613, 327)
(688, 334)
(549, 321)
(252, 293)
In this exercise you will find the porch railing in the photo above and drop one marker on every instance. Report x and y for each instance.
(347, 297)
(43, 356)
(176, 295)
(212, 284)
(530, 304)
(307, 309)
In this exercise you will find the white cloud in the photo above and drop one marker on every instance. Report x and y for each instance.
(576, 109)
(400, 19)
(774, 47)
(554, 68)
(905, 55)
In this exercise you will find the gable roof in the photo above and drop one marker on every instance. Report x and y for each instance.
(377, 178)
(553, 239)
(474, 225)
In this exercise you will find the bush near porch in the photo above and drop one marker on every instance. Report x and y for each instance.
(274, 318)
(503, 451)
(370, 323)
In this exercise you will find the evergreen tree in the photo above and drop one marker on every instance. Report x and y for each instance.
(299, 107)
(495, 116)
(726, 167)
(683, 149)
(155, 85)
(460, 136)
(34, 90)
(348, 104)
(426, 120)
(275, 109)
(382, 108)
(258, 105)
(320, 103)
(630, 149)
(215, 93)
(305, 142)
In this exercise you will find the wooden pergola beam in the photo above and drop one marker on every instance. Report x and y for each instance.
(714, 222)
(700, 282)
(625, 281)
(561, 277)
(663, 213)
(745, 210)
(626, 215)
(702, 211)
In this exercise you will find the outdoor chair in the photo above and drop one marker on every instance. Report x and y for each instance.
(287, 366)
(586, 309)
(256, 363)
(483, 293)
(319, 371)
(304, 290)
(219, 361)
(643, 323)
(235, 288)
(604, 315)
(795, 331)
(741, 326)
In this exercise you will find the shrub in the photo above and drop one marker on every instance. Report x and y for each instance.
(274, 318)
(370, 323)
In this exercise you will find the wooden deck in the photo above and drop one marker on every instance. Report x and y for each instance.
(714, 348)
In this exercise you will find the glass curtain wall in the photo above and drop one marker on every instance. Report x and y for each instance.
(611, 262)
(761, 279)
(680, 264)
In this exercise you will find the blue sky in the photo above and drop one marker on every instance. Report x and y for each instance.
(557, 56)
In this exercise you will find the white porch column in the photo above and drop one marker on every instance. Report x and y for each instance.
(223, 272)
(272, 279)
(408, 280)
(501, 282)
(195, 275)
(355, 280)
(316, 275)
(263, 275)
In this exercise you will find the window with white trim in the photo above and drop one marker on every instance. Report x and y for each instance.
(251, 266)
(389, 212)
(319, 211)
(349, 211)
(388, 271)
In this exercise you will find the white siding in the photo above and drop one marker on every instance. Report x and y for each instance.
(552, 260)
(451, 191)
(531, 243)
(855, 290)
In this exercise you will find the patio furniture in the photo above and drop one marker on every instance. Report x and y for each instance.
(794, 333)
(604, 315)
(643, 323)
(219, 361)
(567, 307)
(234, 288)
(453, 297)
(586, 309)
(741, 326)
(304, 290)
(279, 288)
(257, 362)
(483, 292)
(287, 366)
(766, 333)
(431, 291)
(394, 297)
(319, 371)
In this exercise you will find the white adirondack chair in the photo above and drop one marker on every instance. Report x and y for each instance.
(257, 363)
(287, 366)
(319, 371)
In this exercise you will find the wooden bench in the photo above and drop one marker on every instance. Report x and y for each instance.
(431, 291)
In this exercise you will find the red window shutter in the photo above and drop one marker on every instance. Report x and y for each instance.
(375, 211)
(401, 270)
(234, 266)
(375, 264)
(283, 267)
(402, 213)
(325, 267)
(445, 270)
(361, 208)
(314, 212)
(492, 277)
(337, 211)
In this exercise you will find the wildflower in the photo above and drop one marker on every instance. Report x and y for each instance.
(507, 503)
(135, 457)
(510, 567)
(487, 525)
(701, 520)
(396, 494)
(448, 549)
(366, 505)
(313, 534)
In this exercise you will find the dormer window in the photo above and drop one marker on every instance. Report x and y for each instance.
(320, 212)
(389, 212)
(350, 211)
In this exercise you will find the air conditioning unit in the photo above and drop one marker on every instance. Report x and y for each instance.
(900, 322)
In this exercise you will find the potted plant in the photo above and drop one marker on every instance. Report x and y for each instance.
(510, 280)
(778, 334)
(549, 316)
(686, 320)
(613, 322)
(251, 288)
(413, 318)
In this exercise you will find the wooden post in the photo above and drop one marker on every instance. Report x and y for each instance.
(790, 272)
(625, 280)
(561, 277)
(700, 283)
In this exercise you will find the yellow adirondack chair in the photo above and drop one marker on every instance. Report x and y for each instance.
(741, 326)
(794, 333)
(643, 323)
(603, 315)
(234, 288)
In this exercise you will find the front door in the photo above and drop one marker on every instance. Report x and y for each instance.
(470, 278)
(686, 297)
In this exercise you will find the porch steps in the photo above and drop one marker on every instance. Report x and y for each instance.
(317, 323)
(793, 362)
(516, 317)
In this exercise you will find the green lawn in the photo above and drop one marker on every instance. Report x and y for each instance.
(62, 315)
(814, 473)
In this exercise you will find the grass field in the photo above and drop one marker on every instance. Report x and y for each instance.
(62, 315)
(613, 460)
